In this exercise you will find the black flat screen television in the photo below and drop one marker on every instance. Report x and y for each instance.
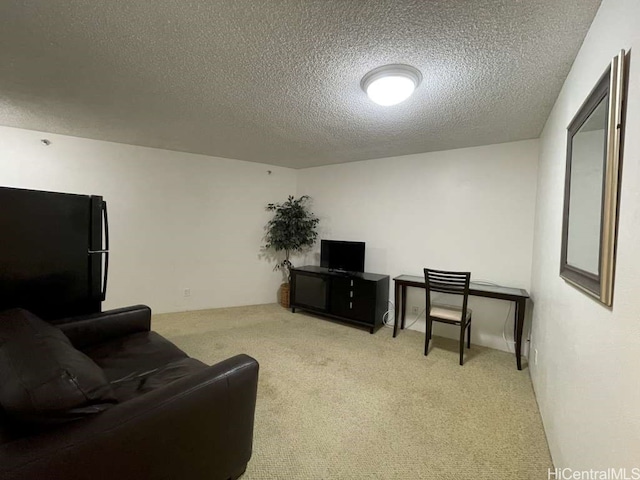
(342, 256)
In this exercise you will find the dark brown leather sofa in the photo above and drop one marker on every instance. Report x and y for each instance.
(173, 417)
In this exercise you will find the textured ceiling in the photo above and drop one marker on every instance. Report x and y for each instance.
(277, 81)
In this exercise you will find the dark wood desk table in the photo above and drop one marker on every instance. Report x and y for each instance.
(516, 295)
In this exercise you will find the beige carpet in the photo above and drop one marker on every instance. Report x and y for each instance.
(335, 402)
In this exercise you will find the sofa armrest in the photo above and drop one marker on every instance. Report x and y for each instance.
(88, 330)
(197, 427)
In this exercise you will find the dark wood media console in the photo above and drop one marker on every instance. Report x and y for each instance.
(357, 298)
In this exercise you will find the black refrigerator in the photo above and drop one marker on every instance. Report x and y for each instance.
(54, 252)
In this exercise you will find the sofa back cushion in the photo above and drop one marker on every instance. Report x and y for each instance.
(43, 378)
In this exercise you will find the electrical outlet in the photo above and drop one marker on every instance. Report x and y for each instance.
(535, 356)
(187, 292)
(415, 310)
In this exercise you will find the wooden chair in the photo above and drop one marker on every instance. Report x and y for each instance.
(454, 283)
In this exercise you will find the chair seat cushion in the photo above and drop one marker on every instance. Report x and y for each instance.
(43, 378)
(448, 312)
(139, 363)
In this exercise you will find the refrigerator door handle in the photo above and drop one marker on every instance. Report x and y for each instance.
(106, 250)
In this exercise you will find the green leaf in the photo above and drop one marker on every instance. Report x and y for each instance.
(292, 228)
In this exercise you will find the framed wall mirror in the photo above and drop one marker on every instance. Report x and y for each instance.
(594, 149)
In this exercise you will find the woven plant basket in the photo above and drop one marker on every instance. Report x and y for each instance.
(284, 295)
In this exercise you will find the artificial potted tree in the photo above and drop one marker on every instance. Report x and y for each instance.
(292, 230)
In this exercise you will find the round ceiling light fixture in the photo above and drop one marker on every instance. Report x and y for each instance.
(391, 84)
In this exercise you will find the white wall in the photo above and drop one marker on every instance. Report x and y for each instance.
(467, 209)
(176, 220)
(587, 379)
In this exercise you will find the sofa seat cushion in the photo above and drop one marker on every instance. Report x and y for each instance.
(139, 383)
(139, 363)
(43, 378)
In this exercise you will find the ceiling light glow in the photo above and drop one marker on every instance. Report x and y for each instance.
(391, 84)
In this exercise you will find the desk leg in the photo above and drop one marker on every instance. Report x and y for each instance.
(404, 305)
(396, 313)
(520, 307)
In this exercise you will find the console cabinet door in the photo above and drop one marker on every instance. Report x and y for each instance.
(309, 290)
(353, 298)
(341, 303)
(364, 301)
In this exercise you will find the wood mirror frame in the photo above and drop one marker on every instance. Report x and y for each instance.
(610, 93)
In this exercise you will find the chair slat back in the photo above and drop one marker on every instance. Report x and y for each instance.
(442, 281)
(456, 283)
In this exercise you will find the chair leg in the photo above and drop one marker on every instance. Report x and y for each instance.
(469, 335)
(427, 336)
(462, 325)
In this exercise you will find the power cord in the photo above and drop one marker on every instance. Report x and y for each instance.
(415, 319)
(506, 320)
(385, 319)
(391, 312)
(388, 314)
(504, 329)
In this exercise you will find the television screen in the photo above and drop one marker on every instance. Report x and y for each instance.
(343, 256)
